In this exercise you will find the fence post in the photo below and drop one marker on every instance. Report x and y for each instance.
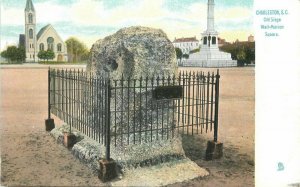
(49, 123)
(216, 107)
(107, 126)
(49, 104)
(108, 167)
(214, 148)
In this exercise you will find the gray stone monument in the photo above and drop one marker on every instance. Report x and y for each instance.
(133, 53)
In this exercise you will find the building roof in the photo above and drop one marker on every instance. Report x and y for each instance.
(29, 6)
(191, 39)
(40, 33)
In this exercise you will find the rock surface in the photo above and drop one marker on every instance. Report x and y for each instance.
(134, 52)
(141, 126)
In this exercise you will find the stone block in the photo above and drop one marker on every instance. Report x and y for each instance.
(214, 150)
(108, 170)
(69, 139)
(49, 123)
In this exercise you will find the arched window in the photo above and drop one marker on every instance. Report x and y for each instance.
(30, 19)
(42, 47)
(59, 47)
(30, 33)
(213, 40)
(50, 42)
(205, 40)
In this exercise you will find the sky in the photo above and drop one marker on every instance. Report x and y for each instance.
(90, 20)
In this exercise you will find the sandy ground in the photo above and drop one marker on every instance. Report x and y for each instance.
(29, 156)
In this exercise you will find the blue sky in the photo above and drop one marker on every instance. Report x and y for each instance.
(89, 20)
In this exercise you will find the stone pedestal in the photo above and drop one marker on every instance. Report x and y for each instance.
(69, 139)
(49, 123)
(108, 170)
(214, 150)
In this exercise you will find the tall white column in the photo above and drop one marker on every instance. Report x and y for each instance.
(210, 15)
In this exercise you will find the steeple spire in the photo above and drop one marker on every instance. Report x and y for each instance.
(29, 6)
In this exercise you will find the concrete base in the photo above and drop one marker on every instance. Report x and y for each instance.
(69, 140)
(108, 170)
(214, 150)
(162, 174)
(49, 123)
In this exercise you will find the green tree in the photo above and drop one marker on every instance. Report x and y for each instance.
(244, 51)
(186, 56)
(42, 54)
(77, 51)
(14, 54)
(49, 55)
(46, 55)
(241, 55)
(195, 50)
(4, 54)
(178, 53)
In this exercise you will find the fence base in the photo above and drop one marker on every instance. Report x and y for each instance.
(214, 150)
(108, 170)
(49, 123)
(69, 140)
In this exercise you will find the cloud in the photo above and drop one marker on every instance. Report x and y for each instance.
(12, 16)
(48, 12)
(92, 18)
(91, 12)
(233, 35)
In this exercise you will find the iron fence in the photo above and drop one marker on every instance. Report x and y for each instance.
(130, 111)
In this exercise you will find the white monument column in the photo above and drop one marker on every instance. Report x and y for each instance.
(210, 16)
(210, 55)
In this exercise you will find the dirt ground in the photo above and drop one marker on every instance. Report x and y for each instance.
(31, 157)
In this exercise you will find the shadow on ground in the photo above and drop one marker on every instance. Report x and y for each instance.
(234, 169)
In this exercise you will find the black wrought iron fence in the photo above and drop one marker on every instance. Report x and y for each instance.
(131, 111)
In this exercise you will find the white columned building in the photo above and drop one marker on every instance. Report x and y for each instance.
(186, 44)
(210, 55)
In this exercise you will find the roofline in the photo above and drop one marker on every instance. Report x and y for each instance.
(48, 27)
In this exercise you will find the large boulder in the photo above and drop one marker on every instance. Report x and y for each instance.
(134, 52)
(140, 124)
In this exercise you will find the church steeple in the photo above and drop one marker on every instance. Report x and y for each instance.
(29, 6)
(30, 32)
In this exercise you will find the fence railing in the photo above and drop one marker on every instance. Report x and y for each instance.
(131, 111)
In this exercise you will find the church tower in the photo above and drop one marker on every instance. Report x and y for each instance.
(30, 32)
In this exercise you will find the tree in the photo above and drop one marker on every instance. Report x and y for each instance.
(195, 50)
(241, 55)
(242, 51)
(186, 56)
(49, 54)
(77, 51)
(14, 54)
(4, 54)
(178, 53)
(46, 55)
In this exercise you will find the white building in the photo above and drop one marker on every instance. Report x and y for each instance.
(186, 44)
(47, 38)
